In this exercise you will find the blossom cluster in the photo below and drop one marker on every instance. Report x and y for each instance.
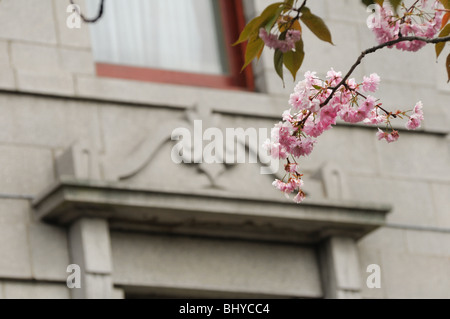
(274, 42)
(415, 22)
(316, 106)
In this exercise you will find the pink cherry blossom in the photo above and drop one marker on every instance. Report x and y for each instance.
(419, 22)
(334, 77)
(415, 120)
(273, 42)
(370, 84)
(291, 168)
(303, 147)
(300, 197)
(309, 117)
(389, 137)
(374, 118)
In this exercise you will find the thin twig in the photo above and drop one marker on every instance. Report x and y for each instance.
(87, 20)
(374, 49)
(365, 97)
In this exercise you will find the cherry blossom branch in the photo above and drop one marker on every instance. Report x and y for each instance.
(365, 97)
(299, 10)
(92, 20)
(374, 49)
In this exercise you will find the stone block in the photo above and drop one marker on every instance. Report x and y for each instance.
(49, 252)
(441, 198)
(177, 96)
(369, 257)
(90, 245)
(441, 76)
(15, 252)
(422, 72)
(14, 211)
(244, 267)
(94, 286)
(322, 56)
(7, 78)
(268, 81)
(27, 21)
(428, 243)
(78, 38)
(385, 239)
(346, 10)
(409, 276)
(35, 58)
(416, 155)
(47, 122)
(401, 194)
(77, 61)
(4, 54)
(404, 96)
(60, 83)
(340, 268)
(25, 170)
(24, 290)
(118, 293)
(137, 92)
(343, 146)
(80, 162)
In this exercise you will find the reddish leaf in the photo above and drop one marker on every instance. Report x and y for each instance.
(445, 20)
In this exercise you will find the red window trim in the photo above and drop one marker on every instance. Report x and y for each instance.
(233, 22)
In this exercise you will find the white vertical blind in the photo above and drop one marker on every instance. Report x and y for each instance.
(179, 35)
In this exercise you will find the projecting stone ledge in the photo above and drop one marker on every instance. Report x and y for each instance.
(195, 213)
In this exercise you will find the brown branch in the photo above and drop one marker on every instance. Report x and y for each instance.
(92, 20)
(299, 10)
(374, 49)
(365, 97)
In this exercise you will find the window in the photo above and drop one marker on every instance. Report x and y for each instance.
(171, 41)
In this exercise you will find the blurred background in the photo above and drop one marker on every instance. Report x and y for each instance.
(87, 179)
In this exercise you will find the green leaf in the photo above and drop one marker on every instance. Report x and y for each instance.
(278, 62)
(448, 67)
(395, 4)
(288, 5)
(316, 25)
(270, 12)
(269, 25)
(283, 27)
(446, 4)
(254, 48)
(440, 46)
(293, 60)
(250, 28)
(368, 2)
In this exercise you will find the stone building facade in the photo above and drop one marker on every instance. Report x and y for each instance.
(86, 177)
